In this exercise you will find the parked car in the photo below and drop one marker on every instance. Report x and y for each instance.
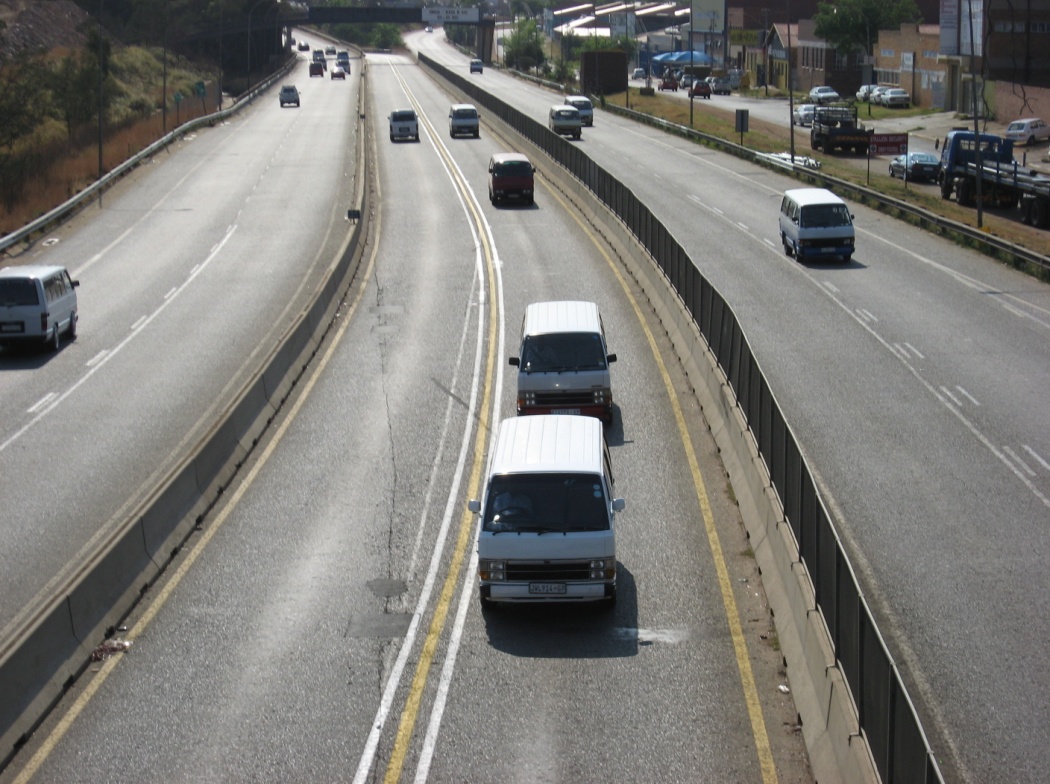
(463, 119)
(803, 115)
(721, 85)
(700, 88)
(823, 94)
(875, 96)
(686, 80)
(338, 73)
(316, 69)
(864, 93)
(916, 167)
(404, 125)
(668, 82)
(429, 29)
(304, 46)
(289, 94)
(896, 97)
(638, 73)
(1028, 131)
(476, 66)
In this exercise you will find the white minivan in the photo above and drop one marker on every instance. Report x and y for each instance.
(816, 224)
(548, 514)
(563, 362)
(38, 305)
(583, 106)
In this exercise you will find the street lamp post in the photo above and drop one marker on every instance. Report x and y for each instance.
(692, 73)
(791, 94)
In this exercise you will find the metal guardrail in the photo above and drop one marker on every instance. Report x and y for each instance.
(76, 202)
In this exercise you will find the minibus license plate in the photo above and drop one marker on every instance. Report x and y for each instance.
(546, 587)
(572, 411)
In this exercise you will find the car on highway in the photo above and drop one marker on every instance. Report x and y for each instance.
(1028, 131)
(668, 82)
(338, 73)
(316, 69)
(404, 124)
(803, 115)
(38, 305)
(564, 120)
(289, 94)
(343, 60)
(584, 106)
(511, 176)
(476, 66)
(916, 167)
(318, 57)
(463, 120)
(304, 46)
(428, 29)
(823, 94)
(700, 88)
(329, 50)
(895, 97)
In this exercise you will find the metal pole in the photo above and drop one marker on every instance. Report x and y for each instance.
(100, 9)
(976, 123)
(791, 94)
(692, 74)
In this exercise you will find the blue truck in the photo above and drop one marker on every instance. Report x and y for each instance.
(1003, 182)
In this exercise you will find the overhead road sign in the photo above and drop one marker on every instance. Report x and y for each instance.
(451, 15)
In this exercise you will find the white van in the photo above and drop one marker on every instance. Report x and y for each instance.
(463, 119)
(38, 304)
(404, 125)
(816, 224)
(548, 514)
(564, 120)
(583, 106)
(563, 362)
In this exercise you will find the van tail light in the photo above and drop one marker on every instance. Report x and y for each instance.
(43, 322)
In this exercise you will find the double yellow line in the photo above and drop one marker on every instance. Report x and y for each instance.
(410, 714)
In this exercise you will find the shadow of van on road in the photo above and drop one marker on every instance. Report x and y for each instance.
(550, 630)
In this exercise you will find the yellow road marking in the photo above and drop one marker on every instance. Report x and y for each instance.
(747, 678)
(410, 714)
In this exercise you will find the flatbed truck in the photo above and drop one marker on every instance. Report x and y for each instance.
(836, 127)
(1004, 182)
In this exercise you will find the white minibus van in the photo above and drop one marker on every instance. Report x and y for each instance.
(38, 305)
(548, 514)
(563, 362)
(816, 224)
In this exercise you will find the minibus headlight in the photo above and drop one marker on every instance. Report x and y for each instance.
(603, 568)
(495, 571)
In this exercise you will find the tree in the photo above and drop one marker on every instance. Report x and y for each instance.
(523, 48)
(849, 25)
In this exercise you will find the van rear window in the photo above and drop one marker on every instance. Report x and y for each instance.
(18, 292)
(403, 116)
(546, 503)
